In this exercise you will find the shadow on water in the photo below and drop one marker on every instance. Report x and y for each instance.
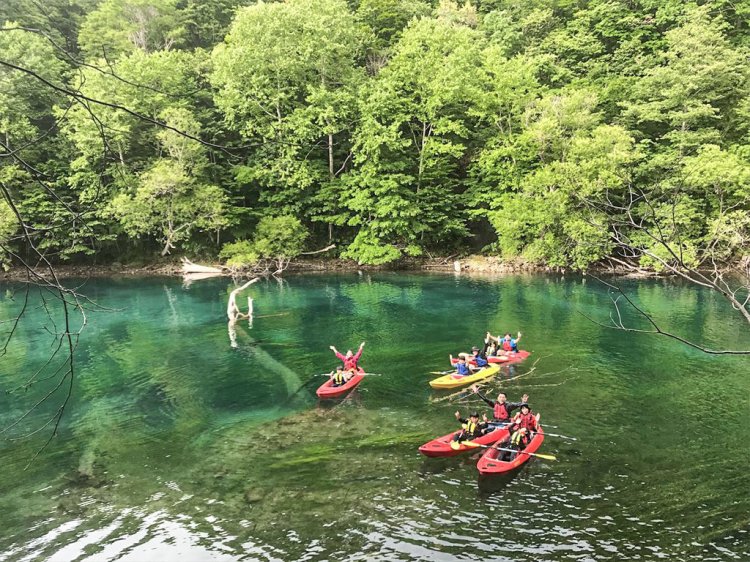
(354, 398)
(437, 465)
(489, 484)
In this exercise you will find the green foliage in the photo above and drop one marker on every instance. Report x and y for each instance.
(545, 130)
(239, 254)
(411, 140)
(8, 227)
(167, 200)
(295, 98)
(118, 27)
(280, 238)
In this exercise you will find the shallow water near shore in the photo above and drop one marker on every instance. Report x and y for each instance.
(177, 446)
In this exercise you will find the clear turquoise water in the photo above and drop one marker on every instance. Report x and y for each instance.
(177, 446)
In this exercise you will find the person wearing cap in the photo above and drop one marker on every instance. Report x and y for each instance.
(471, 428)
(525, 419)
(501, 408)
(479, 357)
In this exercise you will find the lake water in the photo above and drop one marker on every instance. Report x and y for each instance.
(176, 446)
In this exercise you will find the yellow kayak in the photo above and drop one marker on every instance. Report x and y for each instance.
(454, 381)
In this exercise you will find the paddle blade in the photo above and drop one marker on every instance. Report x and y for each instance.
(546, 457)
(455, 445)
(471, 444)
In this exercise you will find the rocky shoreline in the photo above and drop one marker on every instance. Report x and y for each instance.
(487, 265)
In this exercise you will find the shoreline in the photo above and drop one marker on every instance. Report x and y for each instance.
(485, 265)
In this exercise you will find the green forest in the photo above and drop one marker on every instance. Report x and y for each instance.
(564, 133)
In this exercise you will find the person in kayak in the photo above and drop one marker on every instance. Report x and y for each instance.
(525, 419)
(471, 428)
(507, 343)
(524, 425)
(518, 442)
(491, 348)
(350, 359)
(501, 408)
(462, 369)
(479, 358)
(340, 377)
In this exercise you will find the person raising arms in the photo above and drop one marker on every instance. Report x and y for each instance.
(471, 428)
(507, 343)
(501, 408)
(350, 359)
(479, 358)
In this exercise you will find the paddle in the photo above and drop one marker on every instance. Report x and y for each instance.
(540, 455)
(442, 372)
(491, 424)
(362, 374)
(562, 436)
(456, 445)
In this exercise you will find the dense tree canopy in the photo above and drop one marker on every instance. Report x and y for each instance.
(561, 132)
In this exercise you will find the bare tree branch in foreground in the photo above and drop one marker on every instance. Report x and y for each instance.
(645, 229)
(617, 323)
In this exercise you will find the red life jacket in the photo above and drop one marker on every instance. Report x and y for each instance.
(507, 346)
(500, 411)
(528, 421)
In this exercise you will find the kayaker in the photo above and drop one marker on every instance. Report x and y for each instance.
(501, 408)
(518, 441)
(525, 424)
(340, 377)
(470, 428)
(462, 369)
(507, 343)
(350, 359)
(479, 358)
(490, 348)
(524, 419)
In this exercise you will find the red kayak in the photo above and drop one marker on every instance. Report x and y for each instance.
(327, 390)
(507, 358)
(489, 464)
(441, 447)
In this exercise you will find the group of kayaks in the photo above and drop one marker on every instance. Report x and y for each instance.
(494, 442)
(492, 461)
